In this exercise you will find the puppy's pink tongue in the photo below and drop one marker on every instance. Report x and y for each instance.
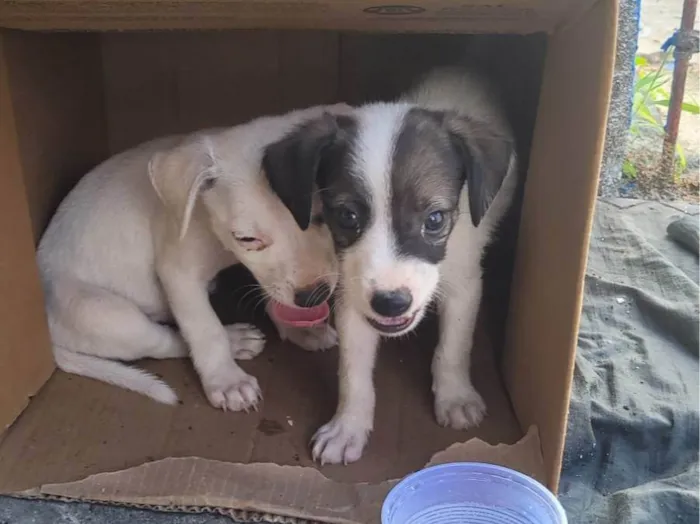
(300, 316)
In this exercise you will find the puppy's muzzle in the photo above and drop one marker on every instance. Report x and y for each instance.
(312, 296)
(310, 306)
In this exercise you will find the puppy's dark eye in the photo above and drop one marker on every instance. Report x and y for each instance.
(347, 218)
(435, 222)
(317, 220)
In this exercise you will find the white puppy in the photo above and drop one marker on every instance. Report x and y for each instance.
(412, 192)
(137, 241)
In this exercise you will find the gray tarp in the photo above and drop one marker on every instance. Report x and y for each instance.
(632, 444)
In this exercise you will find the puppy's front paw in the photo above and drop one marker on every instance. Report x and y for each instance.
(339, 442)
(237, 392)
(461, 409)
(245, 340)
(315, 338)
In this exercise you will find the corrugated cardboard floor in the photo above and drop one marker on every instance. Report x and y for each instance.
(76, 427)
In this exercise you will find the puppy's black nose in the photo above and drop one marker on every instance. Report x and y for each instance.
(391, 303)
(312, 296)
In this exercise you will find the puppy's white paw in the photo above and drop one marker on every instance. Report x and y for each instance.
(339, 442)
(238, 392)
(461, 409)
(317, 338)
(245, 340)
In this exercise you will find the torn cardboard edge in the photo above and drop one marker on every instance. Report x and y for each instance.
(270, 492)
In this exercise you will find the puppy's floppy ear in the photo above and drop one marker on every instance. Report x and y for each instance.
(180, 174)
(488, 155)
(292, 164)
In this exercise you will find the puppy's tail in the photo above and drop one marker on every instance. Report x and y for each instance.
(114, 373)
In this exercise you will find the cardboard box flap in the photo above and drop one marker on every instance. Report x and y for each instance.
(269, 489)
(517, 16)
(22, 317)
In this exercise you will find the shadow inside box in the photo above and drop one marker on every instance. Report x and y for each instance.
(237, 297)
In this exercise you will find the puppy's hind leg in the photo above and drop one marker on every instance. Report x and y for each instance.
(92, 329)
(94, 321)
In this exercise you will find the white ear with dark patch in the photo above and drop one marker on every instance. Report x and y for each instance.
(488, 155)
(180, 175)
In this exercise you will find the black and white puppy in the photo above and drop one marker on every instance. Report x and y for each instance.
(412, 192)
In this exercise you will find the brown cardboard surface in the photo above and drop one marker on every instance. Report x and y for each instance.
(58, 112)
(77, 427)
(555, 226)
(159, 83)
(518, 16)
(67, 99)
(25, 359)
(270, 489)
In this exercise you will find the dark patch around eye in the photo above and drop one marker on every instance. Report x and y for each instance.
(345, 236)
(341, 190)
(424, 169)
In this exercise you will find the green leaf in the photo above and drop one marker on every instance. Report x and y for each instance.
(646, 115)
(659, 82)
(688, 107)
(655, 95)
(640, 61)
(644, 80)
(682, 161)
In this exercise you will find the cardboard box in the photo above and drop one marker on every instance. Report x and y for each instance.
(70, 99)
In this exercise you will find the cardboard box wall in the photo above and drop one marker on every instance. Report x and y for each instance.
(70, 99)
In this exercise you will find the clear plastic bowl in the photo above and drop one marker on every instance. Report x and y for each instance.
(471, 493)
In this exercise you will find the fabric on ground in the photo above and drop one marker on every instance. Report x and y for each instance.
(685, 231)
(632, 443)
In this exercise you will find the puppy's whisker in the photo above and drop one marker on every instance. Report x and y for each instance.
(333, 274)
(318, 291)
(262, 301)
(253, 289)
(444, 288)
(314, 294)
(241, 301)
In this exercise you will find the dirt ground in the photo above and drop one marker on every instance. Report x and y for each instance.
(659, 20)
